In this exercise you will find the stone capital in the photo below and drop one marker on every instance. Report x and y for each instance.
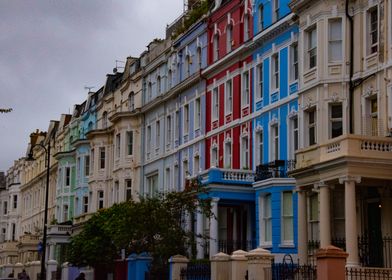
(215, 199)
(344, 179)
(320, 185)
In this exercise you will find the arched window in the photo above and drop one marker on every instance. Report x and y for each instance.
(90, 126)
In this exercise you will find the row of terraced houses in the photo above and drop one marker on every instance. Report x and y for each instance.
(282, 108)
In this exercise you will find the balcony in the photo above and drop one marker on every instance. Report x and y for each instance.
(59, 229)
(274, 169)
(227, 176)
(367, 148)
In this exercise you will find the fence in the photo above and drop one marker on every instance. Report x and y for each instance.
(229, 246)
(374, 251)
(359, 273)
(196, 271)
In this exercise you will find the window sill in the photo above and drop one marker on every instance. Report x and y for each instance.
(266, 245)
(287, 245)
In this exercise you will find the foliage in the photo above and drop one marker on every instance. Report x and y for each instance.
(193, 16)
(154, 224)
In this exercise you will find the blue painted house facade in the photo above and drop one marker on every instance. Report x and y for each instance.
(174, 110)
(275, 125)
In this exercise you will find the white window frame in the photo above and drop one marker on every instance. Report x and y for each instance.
(335, 42)
(372, 30)
(118, 145)
(157, 135)
(310, 126)
(260, 81)
(196, 164)
(228, 154)
(259, 147)
(197, 113)
(294, 73)
(151, 187)
(168, 184)
(215, 46)
(333, 120)
(100, 199)
(169, 130)
(130, 143)
(311, 50)
(215, 103)
(275, 16)
(214, 158)
(229, 96)
(186, 119)
(266, 220)
(275, 149)
(245, 152)
(293, 134)
(247, 34)
(284, 217)
(260, 22)
(245, 93)
(275, 74)
(229, 38)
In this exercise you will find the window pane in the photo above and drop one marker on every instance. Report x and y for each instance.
(288, 229)
(287, 204)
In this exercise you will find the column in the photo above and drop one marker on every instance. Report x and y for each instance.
(325, 216)
(214, 227)
(199, 234)
(51, 251)
(351, 219)
(302, 227)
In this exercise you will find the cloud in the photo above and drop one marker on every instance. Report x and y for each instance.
(51, 49)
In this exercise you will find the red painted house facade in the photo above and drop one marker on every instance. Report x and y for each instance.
(228, 156)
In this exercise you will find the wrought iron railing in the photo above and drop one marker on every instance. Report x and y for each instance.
(196, 271)
(229, 246)
(374, 251)
(274, 169)
(360, 273)
(284, 271)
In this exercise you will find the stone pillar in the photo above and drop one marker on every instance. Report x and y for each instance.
(18, 269)
(35, 268)
(351, 219)
(199, 233)
(51, 266)
(51, 251)
(331, 263)
(65, 271)
(220, 267)
(302, 227)
(325, 215)
(214, 228)
(177, 263)
(239, 265)
(259, 264)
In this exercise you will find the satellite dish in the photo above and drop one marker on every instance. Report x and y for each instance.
(115, 70)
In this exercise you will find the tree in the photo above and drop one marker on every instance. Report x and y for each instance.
(154, 224)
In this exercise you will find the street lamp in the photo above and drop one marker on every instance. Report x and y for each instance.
(30, 158)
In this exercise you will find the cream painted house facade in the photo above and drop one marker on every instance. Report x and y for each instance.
(344, 164)
(115, 153)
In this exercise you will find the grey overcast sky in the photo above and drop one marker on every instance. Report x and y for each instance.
(51, 49)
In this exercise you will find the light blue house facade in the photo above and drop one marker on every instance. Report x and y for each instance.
(275, 125)
(82, 148)
(174, 110)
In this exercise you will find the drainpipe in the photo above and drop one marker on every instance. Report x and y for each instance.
(351, 85)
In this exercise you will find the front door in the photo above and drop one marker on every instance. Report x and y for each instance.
(374, 235)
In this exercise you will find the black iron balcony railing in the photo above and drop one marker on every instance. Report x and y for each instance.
(274, 169)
